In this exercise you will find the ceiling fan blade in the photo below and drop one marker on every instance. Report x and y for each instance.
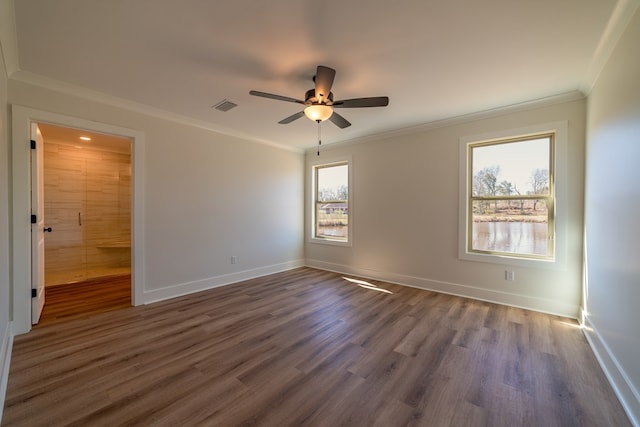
(339, 121)
(277, 97)
(291, 118)
(324, 80)
(376, 101)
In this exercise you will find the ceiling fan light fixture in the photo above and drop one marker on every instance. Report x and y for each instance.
(318, 112)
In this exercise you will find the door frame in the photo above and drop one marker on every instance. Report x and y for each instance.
(22, 117)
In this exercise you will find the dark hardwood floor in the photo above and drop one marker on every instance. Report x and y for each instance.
(77, 300)
(307, 347)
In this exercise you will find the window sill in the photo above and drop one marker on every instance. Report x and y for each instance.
(510, 260)
(330, 242)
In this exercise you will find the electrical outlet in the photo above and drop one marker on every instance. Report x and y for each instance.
(233, 259)
(509, 275)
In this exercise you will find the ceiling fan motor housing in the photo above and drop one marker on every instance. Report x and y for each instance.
(310, 98)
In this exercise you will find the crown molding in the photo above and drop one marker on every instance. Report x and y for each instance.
(102, 98)
(618, 22)
(462, 119)
(113, 101)
(8, 37)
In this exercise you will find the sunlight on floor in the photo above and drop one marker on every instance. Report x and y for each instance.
(367, 285)
(575, 325)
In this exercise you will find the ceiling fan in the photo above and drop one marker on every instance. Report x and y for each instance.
(319, 103)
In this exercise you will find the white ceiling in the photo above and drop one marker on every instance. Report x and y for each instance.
(435, 59)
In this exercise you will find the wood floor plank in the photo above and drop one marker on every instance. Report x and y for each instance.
(305, 347)
(75, 300)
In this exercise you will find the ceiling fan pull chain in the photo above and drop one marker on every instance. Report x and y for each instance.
(319, 136)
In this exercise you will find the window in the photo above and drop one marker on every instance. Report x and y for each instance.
(330, 216)
(510, 197)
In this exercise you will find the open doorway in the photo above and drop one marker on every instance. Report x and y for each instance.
(87, 211)
(22, 214)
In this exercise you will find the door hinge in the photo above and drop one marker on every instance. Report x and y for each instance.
(34, 219)
(33, 144)
(34, 293)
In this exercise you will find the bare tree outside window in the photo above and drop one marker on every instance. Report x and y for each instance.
(539, 183)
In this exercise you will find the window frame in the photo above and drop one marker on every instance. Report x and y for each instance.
(557, 216)
(313, 173)
(548, 198)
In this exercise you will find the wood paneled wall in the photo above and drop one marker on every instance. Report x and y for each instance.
(87, 198)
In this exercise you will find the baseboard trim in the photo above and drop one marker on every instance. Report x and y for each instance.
(623, 387)
(5, 363)
(155, 295)
(557, 308)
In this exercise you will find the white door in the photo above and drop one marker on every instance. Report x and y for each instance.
(37, 227)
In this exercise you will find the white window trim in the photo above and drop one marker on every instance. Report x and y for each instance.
(559, 261)
(325, 161)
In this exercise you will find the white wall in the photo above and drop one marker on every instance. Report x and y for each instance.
(207, 197)
(5, 297)
(612, 218)
(405, 215)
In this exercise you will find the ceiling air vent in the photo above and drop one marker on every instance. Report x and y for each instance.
(224, 105)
